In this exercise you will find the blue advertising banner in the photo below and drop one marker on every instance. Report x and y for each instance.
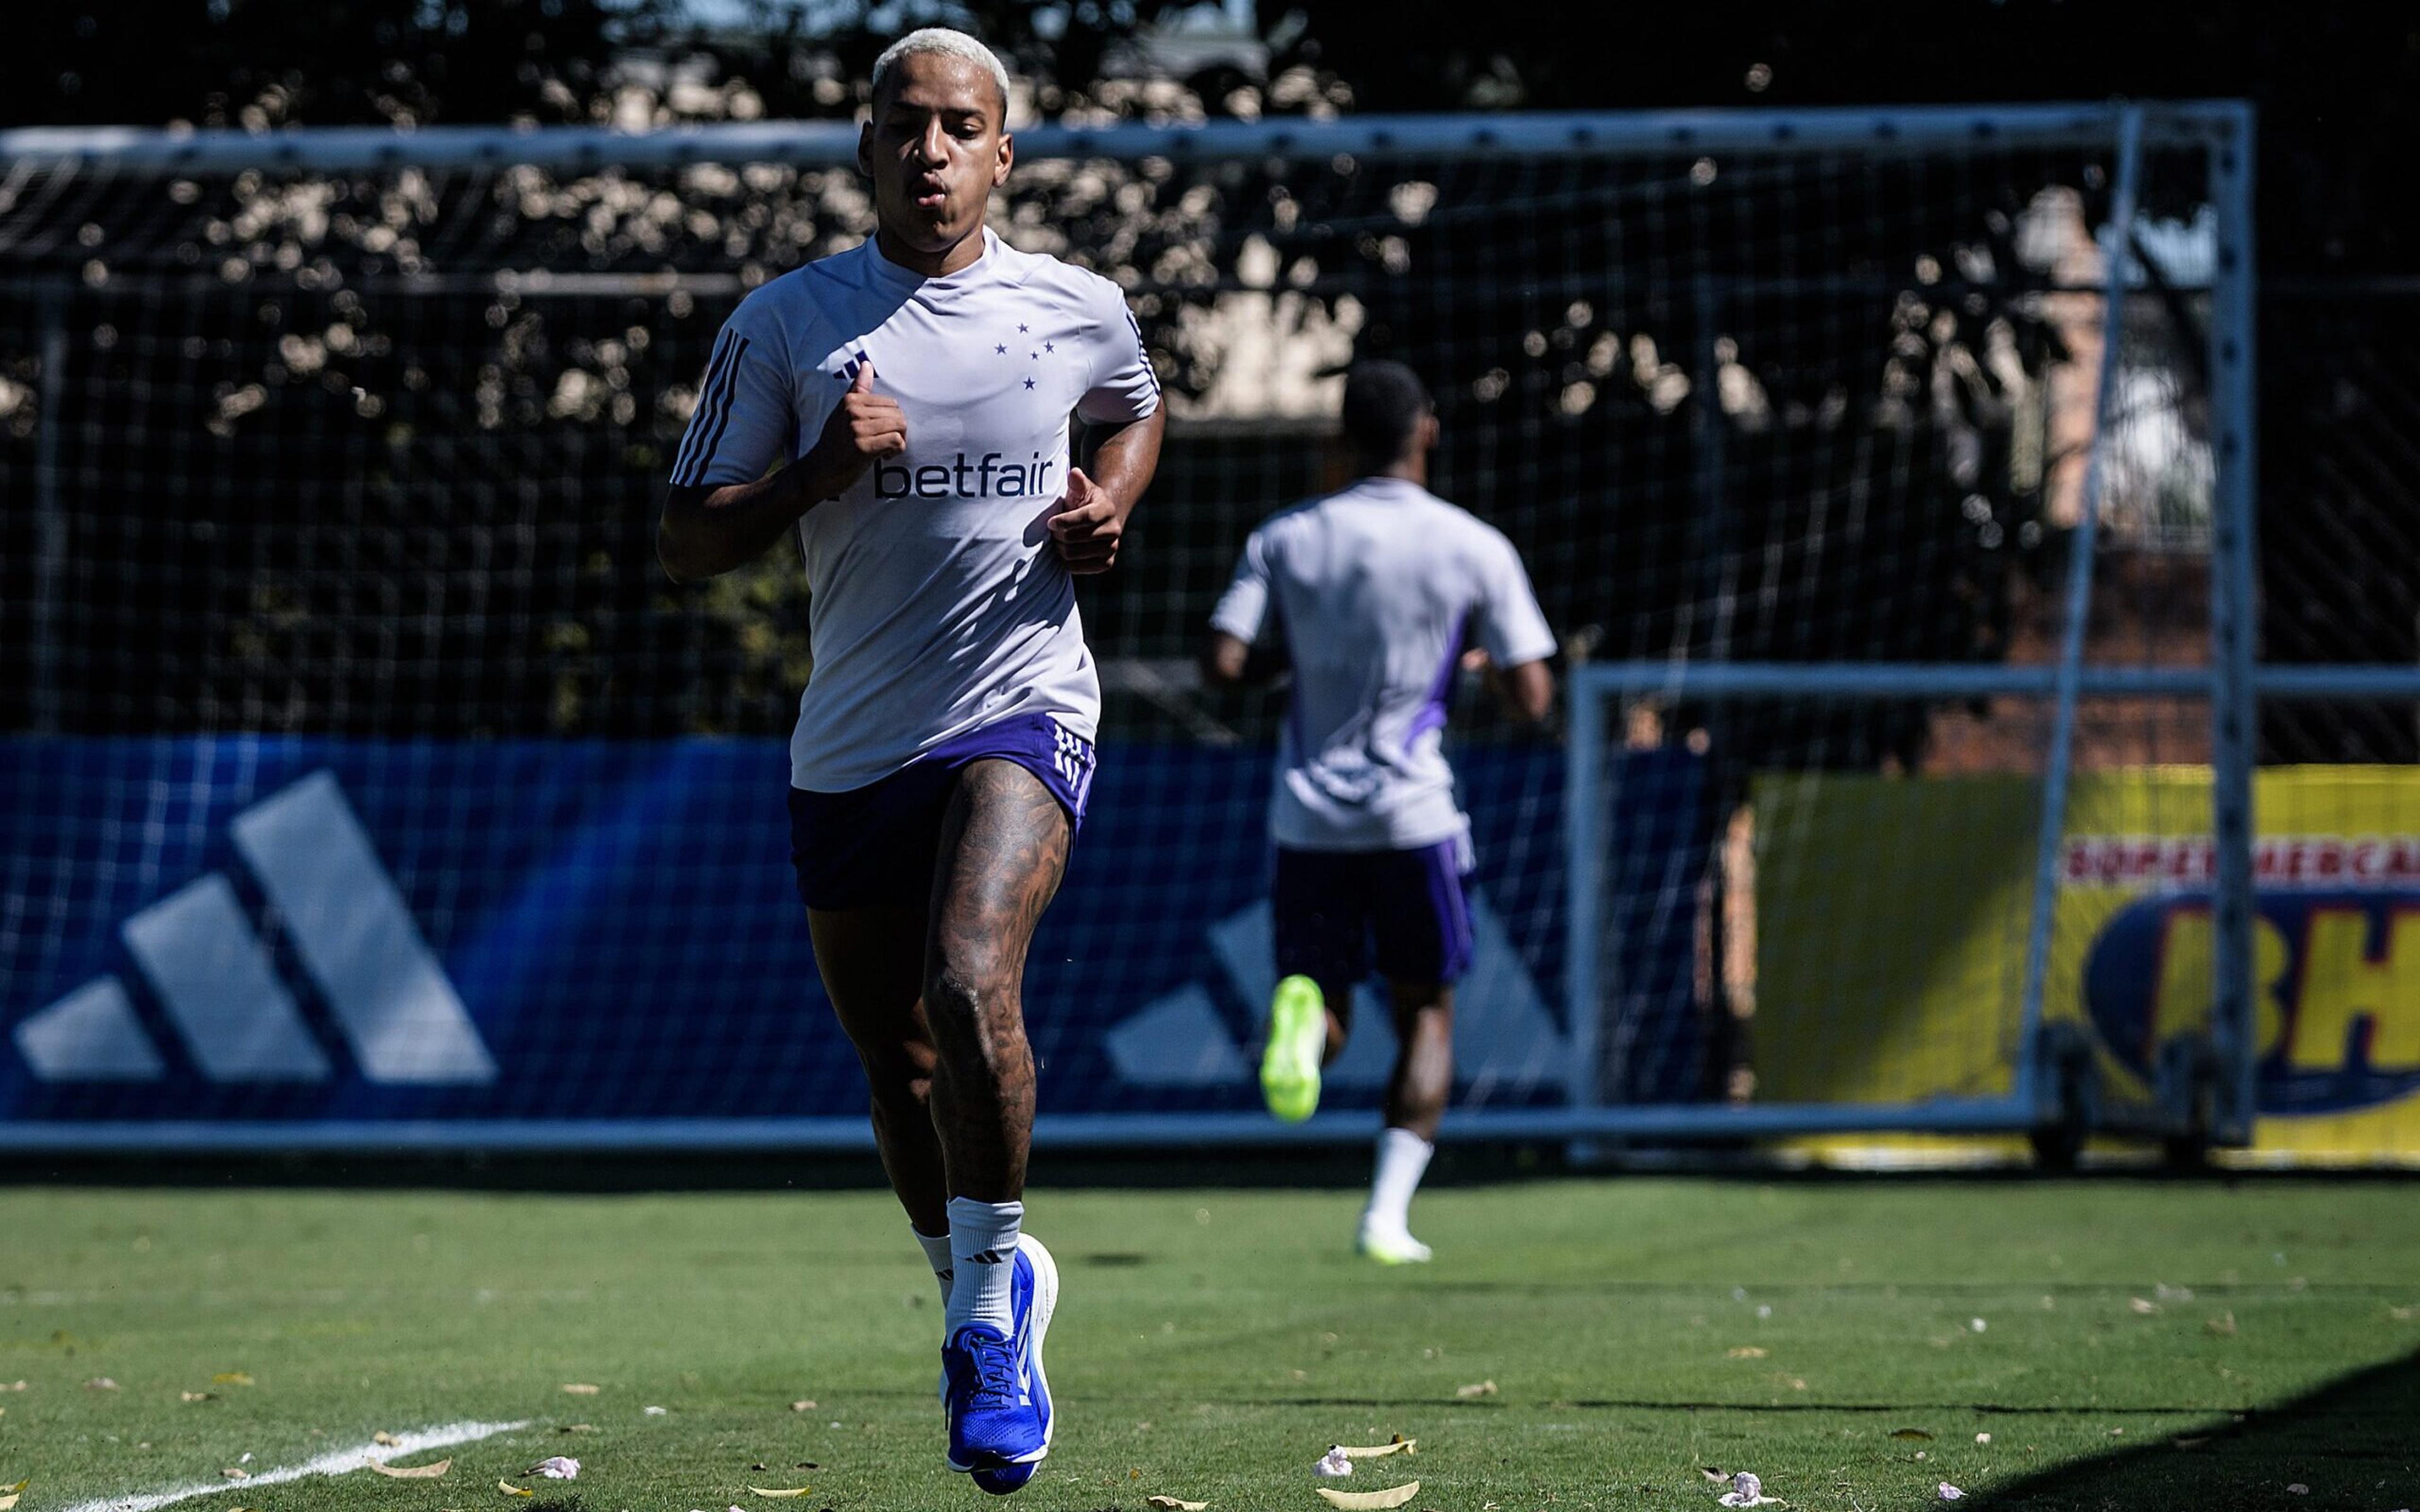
(277, 936)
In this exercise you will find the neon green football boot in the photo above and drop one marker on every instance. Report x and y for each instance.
(1297, 1035)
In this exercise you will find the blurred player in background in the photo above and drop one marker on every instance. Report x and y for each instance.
(1373, 590)
(916, 395)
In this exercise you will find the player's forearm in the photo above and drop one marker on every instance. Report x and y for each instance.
(1123, 464)
(706, 531)
(1529, 689)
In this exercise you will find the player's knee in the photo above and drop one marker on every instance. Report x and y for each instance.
(900, 1075)
(958, 999)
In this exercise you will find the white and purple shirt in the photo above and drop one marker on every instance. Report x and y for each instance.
(1374, 589)
(938, 604)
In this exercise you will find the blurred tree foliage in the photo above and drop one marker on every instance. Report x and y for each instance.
(2338, 84)
(2338, 88)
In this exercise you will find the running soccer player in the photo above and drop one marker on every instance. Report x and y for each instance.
(1372, 589)
(916, 392)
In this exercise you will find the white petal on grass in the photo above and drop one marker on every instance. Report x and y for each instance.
(1333, 1464)
(335, 1462)
(1949, 1493)
(1746, 1491)
(556, 1467)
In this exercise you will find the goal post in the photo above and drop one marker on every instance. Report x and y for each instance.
(1886, 478)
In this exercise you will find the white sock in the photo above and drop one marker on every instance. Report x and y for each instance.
(983, 1251)
(937, 1255)
(1403, 1157)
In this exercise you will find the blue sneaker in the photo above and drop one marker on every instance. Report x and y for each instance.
(996, 1393)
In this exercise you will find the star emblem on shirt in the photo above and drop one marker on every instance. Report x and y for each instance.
(1001, 348)
(1022, 328)
(1028, 383)
(1049, 346)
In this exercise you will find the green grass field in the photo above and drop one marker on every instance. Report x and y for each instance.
(2125, 1345)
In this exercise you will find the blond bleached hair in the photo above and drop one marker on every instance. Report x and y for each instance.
(947, 43)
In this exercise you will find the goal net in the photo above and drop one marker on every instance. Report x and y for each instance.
(367, 779)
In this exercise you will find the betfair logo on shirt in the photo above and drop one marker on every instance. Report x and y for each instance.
(966, 478)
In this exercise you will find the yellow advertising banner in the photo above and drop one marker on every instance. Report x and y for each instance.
(1892, 917)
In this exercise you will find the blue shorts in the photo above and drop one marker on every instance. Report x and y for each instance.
(875, 847)
(1340, 913)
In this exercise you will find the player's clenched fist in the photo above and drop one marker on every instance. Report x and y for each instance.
(1086, 525)
(862, 426)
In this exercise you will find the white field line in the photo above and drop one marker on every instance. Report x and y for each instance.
(335, 1462)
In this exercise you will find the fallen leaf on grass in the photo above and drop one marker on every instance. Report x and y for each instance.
(236, 1472)
(801, 1490)
(2298, 1489)
(1371, 1500)
(555, 1467)
(12, 1490)
(510, 1489)
(413, 1472)
(2143, 1304)
(1713, 1474)
(1749, 1352)
(1398, 1445)
(2189, 1443)
(197, 1395)
(1748, 1490)
(8, 1501)
(653, 1412)
(1173, 1503)
(1911, 1433)
(580, 1388)
(802, 1407)
(1481, 1388)
(2223, 1325)
(101, 1383)
(232, 1377)
(382, 1436)
(1982, 1437)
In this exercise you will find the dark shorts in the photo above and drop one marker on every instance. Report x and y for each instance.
(875, 847)
(1340, 913)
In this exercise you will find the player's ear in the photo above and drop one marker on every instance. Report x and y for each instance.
(1007, 156)
(865, 147)
(1429, 431)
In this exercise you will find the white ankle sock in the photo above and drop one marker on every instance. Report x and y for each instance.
(983, 1251)
(1403, 1157)
(937, 1255)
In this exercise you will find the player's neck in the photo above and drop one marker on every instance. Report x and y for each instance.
(956, 258)
(1411, 469)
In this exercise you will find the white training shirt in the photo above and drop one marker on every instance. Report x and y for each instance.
(1374, 589)
(939, 604)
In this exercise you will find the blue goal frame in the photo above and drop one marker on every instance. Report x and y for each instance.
(2214, 1102)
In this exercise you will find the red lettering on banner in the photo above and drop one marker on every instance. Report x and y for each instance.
(2277, 860)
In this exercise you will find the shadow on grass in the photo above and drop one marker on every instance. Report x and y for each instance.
(2354, 1446)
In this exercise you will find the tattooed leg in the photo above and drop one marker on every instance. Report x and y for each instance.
(1004, 850)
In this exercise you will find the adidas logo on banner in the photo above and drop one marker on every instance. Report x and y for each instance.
(197, 949)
